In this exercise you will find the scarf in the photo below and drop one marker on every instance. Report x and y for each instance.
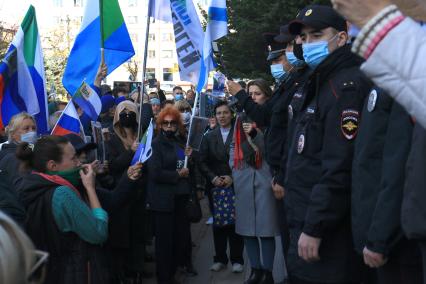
(245, 150)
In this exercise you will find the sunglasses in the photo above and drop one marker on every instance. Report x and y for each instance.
(38, 271)
(169, 123)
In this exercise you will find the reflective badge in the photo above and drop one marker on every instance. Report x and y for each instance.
(290, 112)
(301, 143)
(349, 123)
(372, 100)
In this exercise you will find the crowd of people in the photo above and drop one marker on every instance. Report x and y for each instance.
(330, 160)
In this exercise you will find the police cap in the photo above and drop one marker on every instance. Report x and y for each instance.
(318, 17)
(275, 49)
(284, 36)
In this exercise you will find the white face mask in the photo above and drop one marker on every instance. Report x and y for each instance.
(29, 137)
(186, 117)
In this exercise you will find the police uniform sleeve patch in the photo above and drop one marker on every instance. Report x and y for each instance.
(349, 123)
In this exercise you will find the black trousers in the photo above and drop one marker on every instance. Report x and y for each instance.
(173, 248)
(222, 236)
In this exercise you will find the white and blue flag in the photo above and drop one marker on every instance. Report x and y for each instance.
(217, 27)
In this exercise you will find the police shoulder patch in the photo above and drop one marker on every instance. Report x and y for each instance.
(349, 123)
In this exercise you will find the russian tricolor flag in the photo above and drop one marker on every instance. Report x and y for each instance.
(68, 122)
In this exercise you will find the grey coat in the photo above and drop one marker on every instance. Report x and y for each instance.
(255, 205)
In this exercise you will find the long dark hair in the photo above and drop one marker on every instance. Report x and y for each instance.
(45, 149)
(262, 85)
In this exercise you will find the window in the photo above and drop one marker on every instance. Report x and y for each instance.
(57, 3)
(167, 54)
(151, 53)
(133, 3)
(78, 3)
(132, 19)
(167, 74)
(150, 73)
(166, 37)
(134, 37)
(151, 37)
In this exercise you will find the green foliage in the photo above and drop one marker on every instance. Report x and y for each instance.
(244, 50)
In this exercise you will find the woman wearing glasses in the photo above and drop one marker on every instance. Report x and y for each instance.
(168, 193)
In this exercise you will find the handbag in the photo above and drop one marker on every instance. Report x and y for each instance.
(193, 209)
(223, 206)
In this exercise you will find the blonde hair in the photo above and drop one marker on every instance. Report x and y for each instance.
(183, 105)
(17, 255)
(15, 122)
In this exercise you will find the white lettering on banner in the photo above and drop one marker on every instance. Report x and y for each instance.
(188, 38)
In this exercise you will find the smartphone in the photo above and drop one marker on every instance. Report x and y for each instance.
(152, 83)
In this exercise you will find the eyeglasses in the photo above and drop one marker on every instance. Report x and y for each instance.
(38, 271)
(169, 123)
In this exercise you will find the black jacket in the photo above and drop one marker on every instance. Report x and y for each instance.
(164, 182)
(413, 205)
(214, 155)
(325, 121)
(273, 116)
(378, 173)
(71, 260)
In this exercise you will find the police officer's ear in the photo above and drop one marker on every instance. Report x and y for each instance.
(342, 38)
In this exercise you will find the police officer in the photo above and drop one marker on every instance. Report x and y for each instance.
(325, 117)
(273, 114)
(378, 177)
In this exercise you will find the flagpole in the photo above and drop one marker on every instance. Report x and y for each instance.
(145, 56)
(190, 125)
(101, 17)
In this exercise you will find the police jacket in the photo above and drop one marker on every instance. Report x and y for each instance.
(413, 213)
(273, 116)
(324, 124)
(378, 173)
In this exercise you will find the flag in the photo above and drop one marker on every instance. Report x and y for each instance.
(22, 81)
(68, 122)
(217, 27)
(85, 56)
(144, 151)
(188, 34)
(88, 100)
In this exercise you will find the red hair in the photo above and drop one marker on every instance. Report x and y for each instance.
(173, 112)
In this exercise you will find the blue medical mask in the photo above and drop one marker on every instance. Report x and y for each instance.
(296, 62)
(178, 97)
(29, 137)
(315, 52)
(278, 72)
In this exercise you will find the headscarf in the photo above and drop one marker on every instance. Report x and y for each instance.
(119, 131)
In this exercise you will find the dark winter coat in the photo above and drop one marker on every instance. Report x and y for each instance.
(164, 182)
(378, 174)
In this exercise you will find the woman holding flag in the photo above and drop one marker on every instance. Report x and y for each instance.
(169, 187)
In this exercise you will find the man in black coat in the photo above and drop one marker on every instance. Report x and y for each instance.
(324, 122)
(378, 177)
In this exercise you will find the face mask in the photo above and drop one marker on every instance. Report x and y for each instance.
(178, 98)
(315, 53)
(191, 102)
(278, 72)
(169, 133)
(29, 137)
(128, 119)
(71, 175)
(296, 62)
(186, 117)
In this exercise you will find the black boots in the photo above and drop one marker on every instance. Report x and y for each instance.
(266, 278)
(255, 276)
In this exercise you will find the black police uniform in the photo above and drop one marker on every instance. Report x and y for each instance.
(378, 176)
(324, 124)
